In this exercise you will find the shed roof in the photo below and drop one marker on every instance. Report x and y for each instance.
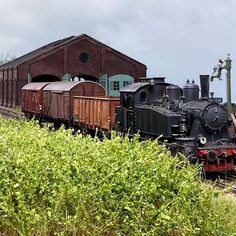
(35, 86)
(44, 49)
(56, 44)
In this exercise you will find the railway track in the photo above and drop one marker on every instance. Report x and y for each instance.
(226, 182)
(11, 113)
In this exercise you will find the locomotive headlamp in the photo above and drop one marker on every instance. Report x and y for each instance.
(202, 140)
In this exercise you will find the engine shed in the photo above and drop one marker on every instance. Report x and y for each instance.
(75, 58)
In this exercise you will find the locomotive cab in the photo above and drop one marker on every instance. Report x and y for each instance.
(143, 93)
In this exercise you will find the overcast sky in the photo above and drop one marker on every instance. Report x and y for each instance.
(179, 39)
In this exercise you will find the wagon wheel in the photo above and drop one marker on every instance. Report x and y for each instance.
(84, 131)
(28, 116)
(106, 134)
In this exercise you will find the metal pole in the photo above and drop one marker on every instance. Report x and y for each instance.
(228, 77)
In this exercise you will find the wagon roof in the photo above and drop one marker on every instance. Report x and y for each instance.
(35, 86)
(65, 85)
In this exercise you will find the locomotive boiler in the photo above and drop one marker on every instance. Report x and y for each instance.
(189, 124)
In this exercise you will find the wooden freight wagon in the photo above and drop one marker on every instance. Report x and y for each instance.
(58, 97)
(32, 99)
(95, 112)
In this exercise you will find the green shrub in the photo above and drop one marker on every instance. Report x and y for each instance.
(53, 183)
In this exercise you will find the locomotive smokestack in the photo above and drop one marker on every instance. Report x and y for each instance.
(204, 81)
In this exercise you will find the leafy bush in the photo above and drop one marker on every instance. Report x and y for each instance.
(53, 183)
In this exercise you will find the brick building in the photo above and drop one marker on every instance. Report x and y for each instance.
(71, 58)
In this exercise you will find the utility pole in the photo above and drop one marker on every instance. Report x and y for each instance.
(217, 74)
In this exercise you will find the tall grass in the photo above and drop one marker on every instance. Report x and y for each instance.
(53, 183)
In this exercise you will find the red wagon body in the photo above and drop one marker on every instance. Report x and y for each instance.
(58, 97)
(32, 99)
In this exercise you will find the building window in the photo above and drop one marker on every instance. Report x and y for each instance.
(125, 83)
(84, 57)
(115, 85)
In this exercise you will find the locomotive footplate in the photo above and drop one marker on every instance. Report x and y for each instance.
(218, 157)
(214, 157)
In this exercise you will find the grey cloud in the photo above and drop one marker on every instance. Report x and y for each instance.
(177, 38)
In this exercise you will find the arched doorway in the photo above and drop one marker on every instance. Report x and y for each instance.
(84, 77)
(45, 78)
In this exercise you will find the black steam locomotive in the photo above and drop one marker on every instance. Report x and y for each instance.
(197, 127)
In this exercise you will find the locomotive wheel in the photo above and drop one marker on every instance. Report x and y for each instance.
(192, 159)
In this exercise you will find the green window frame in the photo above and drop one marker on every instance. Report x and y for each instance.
(115, 85)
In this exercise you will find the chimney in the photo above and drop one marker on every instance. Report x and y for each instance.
(204, 81)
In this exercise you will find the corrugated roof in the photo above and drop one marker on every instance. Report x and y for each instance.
(61, 86)
(66, 85)
(35, 86)
(53, 45)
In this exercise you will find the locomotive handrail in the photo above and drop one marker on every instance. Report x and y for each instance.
(233, 116)
(221, 141)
